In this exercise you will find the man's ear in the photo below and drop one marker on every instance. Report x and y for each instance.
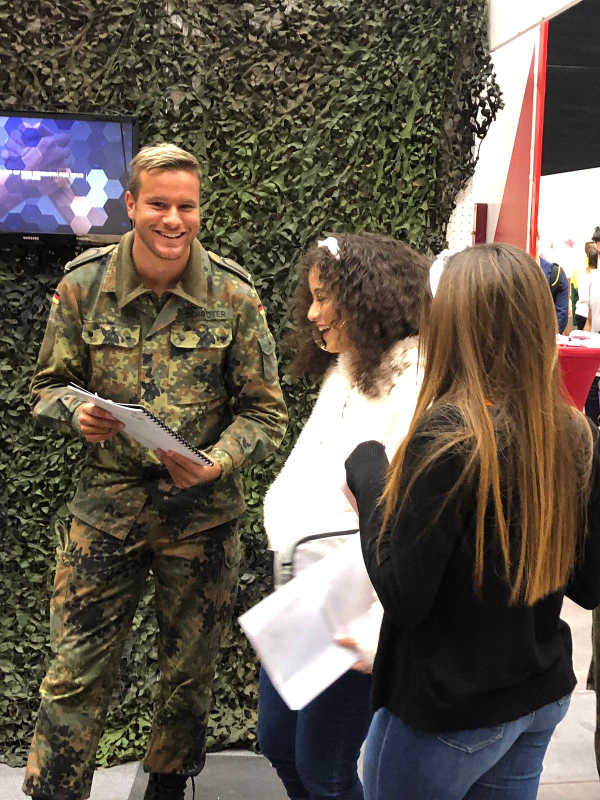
(130, 205)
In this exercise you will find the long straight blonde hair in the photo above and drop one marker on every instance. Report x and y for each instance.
(491, 363)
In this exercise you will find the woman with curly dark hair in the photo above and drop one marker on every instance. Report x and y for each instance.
(357, 308)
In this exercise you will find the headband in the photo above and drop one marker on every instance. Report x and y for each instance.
(331, 243)
(436, 269)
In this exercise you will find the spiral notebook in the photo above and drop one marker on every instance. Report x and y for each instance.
(143, 426)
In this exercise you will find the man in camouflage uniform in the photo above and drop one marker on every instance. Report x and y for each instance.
(160, 321)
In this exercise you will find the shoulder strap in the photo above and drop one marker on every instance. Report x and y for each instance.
(231, 266)
(93, 254)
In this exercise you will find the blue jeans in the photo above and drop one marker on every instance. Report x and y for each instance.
(315, 750)
(499, 763)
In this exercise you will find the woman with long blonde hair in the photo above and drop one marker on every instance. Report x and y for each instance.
(488, 515)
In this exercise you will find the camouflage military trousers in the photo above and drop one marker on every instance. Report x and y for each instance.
(98, 583)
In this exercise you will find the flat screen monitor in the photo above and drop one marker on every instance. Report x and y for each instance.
(64, 174)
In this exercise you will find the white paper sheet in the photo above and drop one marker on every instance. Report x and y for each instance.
(141, 425)
(293, 629)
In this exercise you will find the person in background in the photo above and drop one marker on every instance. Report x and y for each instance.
(592, 298)
(480, 534)
(592, 409)
(357, 307)
(559, 287)
(581, 309)
(160, 321)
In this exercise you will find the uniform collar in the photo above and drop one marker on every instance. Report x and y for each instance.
(122, 279)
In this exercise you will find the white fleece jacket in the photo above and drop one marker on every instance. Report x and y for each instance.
(307, 497)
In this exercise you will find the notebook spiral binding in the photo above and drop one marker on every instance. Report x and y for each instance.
(174, 435)
(127, 409)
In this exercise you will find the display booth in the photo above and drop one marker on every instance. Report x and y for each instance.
(539, 163)
(536, 180)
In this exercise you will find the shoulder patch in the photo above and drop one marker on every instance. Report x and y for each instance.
(231, 266)
(93, 254)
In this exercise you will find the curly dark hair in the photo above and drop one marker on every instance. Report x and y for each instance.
(380, 288)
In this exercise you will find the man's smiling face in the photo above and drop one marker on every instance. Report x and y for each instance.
(166, 216)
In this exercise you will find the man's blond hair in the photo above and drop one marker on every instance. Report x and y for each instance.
(161, 157)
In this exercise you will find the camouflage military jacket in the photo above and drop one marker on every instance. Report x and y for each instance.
(203, 361)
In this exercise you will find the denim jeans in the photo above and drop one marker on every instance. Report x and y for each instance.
(499, 763)
(315, 750)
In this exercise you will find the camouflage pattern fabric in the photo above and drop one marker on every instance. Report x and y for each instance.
(98, 583)
(202, 359)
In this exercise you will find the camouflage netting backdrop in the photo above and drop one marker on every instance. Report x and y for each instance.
(307, 117)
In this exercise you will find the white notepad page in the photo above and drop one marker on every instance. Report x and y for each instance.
(293, 630)
(143, 426)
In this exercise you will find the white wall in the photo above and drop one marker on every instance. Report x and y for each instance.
(514, 36)
(509, 18)
(512, 63)
(569, 211)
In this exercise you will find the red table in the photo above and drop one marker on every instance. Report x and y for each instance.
(579, 364)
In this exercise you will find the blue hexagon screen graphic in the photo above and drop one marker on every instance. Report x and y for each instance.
(64, 174)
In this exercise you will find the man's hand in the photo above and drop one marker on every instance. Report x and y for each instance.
(185, 472)
(96, 424)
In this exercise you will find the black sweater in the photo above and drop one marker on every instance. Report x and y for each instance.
(449, 659)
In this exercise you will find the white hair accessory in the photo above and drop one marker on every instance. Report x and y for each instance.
(331, 243)
(436, 269)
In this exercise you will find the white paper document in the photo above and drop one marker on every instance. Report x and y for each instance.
(143, 426)
(293, 629)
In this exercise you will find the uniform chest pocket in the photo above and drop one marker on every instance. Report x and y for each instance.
(197, 363)
(114, 356)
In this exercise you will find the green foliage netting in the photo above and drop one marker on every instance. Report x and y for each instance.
(308, 117)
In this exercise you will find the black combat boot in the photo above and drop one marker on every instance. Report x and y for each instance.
(165, 787)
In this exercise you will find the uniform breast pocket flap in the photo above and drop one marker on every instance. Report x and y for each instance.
(107, 334)
(201, 336)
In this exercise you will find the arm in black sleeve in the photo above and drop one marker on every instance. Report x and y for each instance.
(584, 586)
(407, 566)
